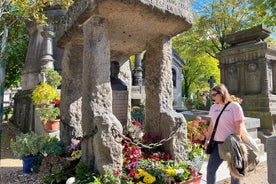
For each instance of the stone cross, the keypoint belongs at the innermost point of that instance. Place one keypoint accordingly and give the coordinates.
(211, 81)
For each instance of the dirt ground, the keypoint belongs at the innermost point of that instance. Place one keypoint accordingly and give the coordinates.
(259, 176)
(8, 160)
(11, 167)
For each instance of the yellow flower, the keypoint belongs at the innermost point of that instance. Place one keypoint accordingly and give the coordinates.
(76, 154)
(140, 182)
(149, 178)
(171, 171)
(138, 174)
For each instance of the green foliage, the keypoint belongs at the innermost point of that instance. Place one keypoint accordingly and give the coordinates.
(29, 144)
(15, 55)
(53, 78)
(265, 10)
(49, 113)
(35, 8)
(45, 94)
(54, 147)
(82, 170)
(220, 18)
(54, 169)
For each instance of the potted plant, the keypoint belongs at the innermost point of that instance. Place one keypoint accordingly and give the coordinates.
(28, 146)
(54, 169)
(53, 78)
(44, 94)
(46, 97)
(50, 117)
(189, 103)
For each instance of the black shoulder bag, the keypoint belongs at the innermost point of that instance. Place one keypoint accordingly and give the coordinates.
(211, 144)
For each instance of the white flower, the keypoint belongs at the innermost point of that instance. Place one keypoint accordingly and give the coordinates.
(179, 171)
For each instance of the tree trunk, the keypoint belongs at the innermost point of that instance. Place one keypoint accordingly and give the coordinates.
(2, 73)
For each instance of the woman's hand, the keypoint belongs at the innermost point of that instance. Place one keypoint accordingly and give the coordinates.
(206, 144)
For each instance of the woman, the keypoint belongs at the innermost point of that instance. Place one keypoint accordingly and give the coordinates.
(230, 122)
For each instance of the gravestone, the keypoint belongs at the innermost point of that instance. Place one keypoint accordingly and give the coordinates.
(92, 34)
(248, 69)
(119, 94)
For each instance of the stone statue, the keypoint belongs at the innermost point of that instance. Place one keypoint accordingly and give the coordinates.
(116, 83)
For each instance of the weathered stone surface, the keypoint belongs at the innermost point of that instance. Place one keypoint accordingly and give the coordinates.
(32, 65)
(248, 69)
(160, 118)
(71, 98)
(256, 33)
(95, 32)
(100, 150)
(133, 23)
(24, 111)
(271, 159)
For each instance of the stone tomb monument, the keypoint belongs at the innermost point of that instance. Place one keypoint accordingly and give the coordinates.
(93, 33)
(248, 68)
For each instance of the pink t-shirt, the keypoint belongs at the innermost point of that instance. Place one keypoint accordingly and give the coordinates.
(229, 116)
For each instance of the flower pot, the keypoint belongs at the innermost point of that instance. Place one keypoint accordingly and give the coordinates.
(52, 125)
(194, 180)
(28, 163)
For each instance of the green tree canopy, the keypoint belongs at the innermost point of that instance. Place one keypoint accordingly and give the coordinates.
(218, 18)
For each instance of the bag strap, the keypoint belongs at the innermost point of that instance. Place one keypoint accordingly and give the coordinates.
(217, 121)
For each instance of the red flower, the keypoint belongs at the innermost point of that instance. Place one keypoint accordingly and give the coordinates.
(131, 173)
(57, 102)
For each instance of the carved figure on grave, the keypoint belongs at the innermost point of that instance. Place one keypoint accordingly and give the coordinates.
(232, 82)
(253, 77)
(116, 83)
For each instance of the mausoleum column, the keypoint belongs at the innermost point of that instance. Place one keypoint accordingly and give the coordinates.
(48, 34)
(273, 77)
(242, 77)
(71, 98)
(138, 75)
(160, 118)
(100, 150)
(264, 64)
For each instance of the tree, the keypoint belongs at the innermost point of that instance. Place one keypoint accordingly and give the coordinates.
(266, 9)
(219, 18)
(13, 14)
(198, 66)
(16, 53)
(213, 20)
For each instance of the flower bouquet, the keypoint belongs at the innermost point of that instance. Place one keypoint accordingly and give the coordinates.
(197, 130)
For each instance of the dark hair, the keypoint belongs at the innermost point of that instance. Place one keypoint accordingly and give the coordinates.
(221, 89)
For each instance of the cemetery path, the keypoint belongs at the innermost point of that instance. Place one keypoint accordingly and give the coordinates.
(259, 176)
(11, 167)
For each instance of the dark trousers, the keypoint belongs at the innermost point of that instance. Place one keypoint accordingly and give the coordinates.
(213, 164)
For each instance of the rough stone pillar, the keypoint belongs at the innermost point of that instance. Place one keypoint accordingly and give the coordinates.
(271, 159)
(100, 150)
(160, 118)
(70, 128)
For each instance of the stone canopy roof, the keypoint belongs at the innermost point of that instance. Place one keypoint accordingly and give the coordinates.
(131, 23)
